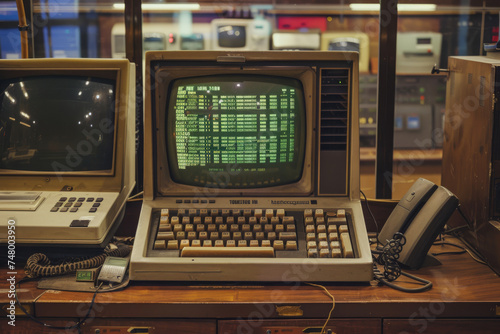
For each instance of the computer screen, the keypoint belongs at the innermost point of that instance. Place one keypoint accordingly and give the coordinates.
(67, 148)
(236, 131)
(57, 123)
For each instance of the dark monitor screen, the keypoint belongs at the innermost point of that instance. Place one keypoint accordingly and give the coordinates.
(231, 36)
(53, 123)
(236, 131)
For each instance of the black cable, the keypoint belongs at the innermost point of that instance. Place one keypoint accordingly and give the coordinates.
(459, 208)
(76, 325)
(39, 264)
(372, 215)
(388, 258)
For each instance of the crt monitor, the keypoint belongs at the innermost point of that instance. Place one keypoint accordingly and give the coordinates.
(247, 130)
(66, 148)
(241, 34)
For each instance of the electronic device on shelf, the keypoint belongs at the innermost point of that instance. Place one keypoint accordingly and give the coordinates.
(348, 41)
(296, 40)
(417, 52)
(164, 36)
(67, 149)
(251, 169)
(241, 34)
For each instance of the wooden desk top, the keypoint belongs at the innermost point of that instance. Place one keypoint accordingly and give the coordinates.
(462, 288)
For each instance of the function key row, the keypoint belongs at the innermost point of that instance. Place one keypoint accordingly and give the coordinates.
(268, 213)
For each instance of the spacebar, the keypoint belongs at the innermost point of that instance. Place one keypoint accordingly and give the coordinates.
(227, 252)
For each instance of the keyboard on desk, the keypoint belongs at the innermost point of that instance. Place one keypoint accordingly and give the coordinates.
(210, 242)
(252, 233)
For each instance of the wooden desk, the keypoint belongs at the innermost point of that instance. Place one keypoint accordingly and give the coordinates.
(465, 299)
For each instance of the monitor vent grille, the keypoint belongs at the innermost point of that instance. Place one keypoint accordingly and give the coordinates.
(334, 109)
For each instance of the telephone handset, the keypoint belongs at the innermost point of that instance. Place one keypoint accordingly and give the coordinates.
(420, 215)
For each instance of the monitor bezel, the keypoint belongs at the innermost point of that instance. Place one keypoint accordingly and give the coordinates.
(165, 186)
(111, 180)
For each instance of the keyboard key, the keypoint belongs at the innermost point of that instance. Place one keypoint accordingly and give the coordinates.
(323, 245)
(291, 245)
(318, 213)
(346, 245)
(324, 253)
(228, 252)
(165, 236)
(207, 243)
(54, 209)
(160, 244)
(173, 244)
(343, 229)
(288, 236)
(257, 213)
(254, 243)
(269, 213)
(313, 253)
(333, 236)
(242, 243)
(341, 213)
(219, 243)
(311, 245)
(230, 243)
(278, 245)
(336, 253)
(280, 213)
(309, 220)
(184, 243)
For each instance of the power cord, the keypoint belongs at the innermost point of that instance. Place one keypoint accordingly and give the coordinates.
(388, 257)
(373, 217)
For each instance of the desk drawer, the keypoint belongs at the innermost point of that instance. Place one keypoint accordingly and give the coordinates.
(439, 326)
(290, 326)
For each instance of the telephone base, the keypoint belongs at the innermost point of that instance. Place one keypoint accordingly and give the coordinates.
(429, 261)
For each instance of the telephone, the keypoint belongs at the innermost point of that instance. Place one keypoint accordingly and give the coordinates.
(420, 215)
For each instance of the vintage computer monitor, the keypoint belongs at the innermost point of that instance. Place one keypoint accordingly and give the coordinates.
(245, 152)
(348, 41)
(164, 36)
(67, 149)
(417, 52)
(471, 151)
(241, 34)
(296, 40)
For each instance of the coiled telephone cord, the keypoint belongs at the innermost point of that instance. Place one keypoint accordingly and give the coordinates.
(38, 265)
